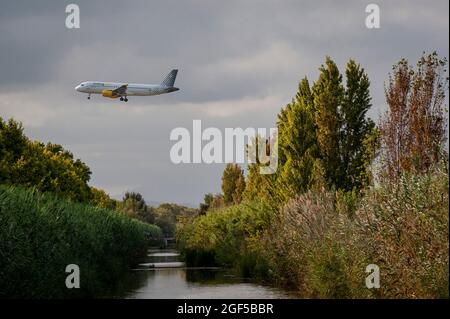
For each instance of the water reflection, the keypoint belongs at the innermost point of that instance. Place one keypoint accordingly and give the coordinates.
(161, 275)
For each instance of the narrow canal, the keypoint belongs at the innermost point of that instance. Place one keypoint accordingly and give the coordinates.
(163, 275)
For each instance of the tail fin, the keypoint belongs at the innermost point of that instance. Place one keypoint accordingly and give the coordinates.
(169, 81)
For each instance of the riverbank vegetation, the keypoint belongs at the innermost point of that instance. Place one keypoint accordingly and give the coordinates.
(40, 234)
(50, 217)
(347, 192)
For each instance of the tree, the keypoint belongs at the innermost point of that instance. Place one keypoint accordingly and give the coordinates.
(428, 123)
(217, 202)
(48, 167)
(261, 186)
(166, 217)
(297, 144)
(328, 97)
(239, 190)
(413, 128)
(355, 127)
(134, 205)
(232, 183)
(51, 168)
(323, 137)
(12, 145)
(101, 199)
(206, 203)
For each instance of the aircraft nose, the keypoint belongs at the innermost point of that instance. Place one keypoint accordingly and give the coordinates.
(77, 88)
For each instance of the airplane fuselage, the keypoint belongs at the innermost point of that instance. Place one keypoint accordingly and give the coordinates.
(133, 89)
(123, 90)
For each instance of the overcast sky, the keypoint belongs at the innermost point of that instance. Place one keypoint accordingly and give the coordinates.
(239, 62)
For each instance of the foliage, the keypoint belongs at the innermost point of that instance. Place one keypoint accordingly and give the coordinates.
(211, 201)
(260, 186)
(321, 242)
(223, 236)
(328, 97)
(298, 149)
(413, 128)
(101, 199)
(134, 206)
(166, 216)
(208, 198)
(356, 128)
(40, 234)
(233, 184)
(325, 138)
(48, 167)
(404, 228)
(323, 217)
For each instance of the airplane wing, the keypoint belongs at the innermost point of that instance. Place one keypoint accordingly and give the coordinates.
(121, 90)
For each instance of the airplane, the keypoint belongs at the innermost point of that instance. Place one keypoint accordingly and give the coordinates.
(123, 90)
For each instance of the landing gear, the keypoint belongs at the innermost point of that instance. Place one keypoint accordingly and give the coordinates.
(89, 97)
(124, 99)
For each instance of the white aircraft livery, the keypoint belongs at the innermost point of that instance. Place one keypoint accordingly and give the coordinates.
(122, 90)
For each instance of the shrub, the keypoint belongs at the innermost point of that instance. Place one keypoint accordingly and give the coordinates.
(225, 236)
(321, 242)
(404, 227)
(323, 250)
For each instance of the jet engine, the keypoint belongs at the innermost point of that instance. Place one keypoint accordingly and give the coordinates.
(109, 93)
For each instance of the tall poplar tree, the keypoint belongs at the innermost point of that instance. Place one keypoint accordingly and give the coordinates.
(355, 126)
(328, 97)
(297, 143)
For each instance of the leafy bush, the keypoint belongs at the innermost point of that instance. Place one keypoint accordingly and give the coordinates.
(225, 236)
(40, 234)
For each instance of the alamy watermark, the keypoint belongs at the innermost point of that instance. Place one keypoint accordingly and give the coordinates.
(373, 279)
(236, 145)
(73, 16)
(73, 279)
(373, 17)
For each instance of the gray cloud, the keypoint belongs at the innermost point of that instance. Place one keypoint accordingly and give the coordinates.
(239, 61)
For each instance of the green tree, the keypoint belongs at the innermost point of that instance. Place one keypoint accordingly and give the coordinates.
(51, 168)
(166, 216)
(48, 167)
(260, 186)
(134, 205)
(101, 199)
(239, 190)
(232, 183)
(355, 127)
(323, 135)
(12, 145)
(328, 98)
(297, 144)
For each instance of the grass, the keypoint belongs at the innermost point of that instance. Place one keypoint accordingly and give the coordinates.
(40, 234)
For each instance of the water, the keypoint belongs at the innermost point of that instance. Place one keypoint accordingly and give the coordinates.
(162, 275)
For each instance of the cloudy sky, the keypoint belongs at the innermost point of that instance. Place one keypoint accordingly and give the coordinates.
(239, 61)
